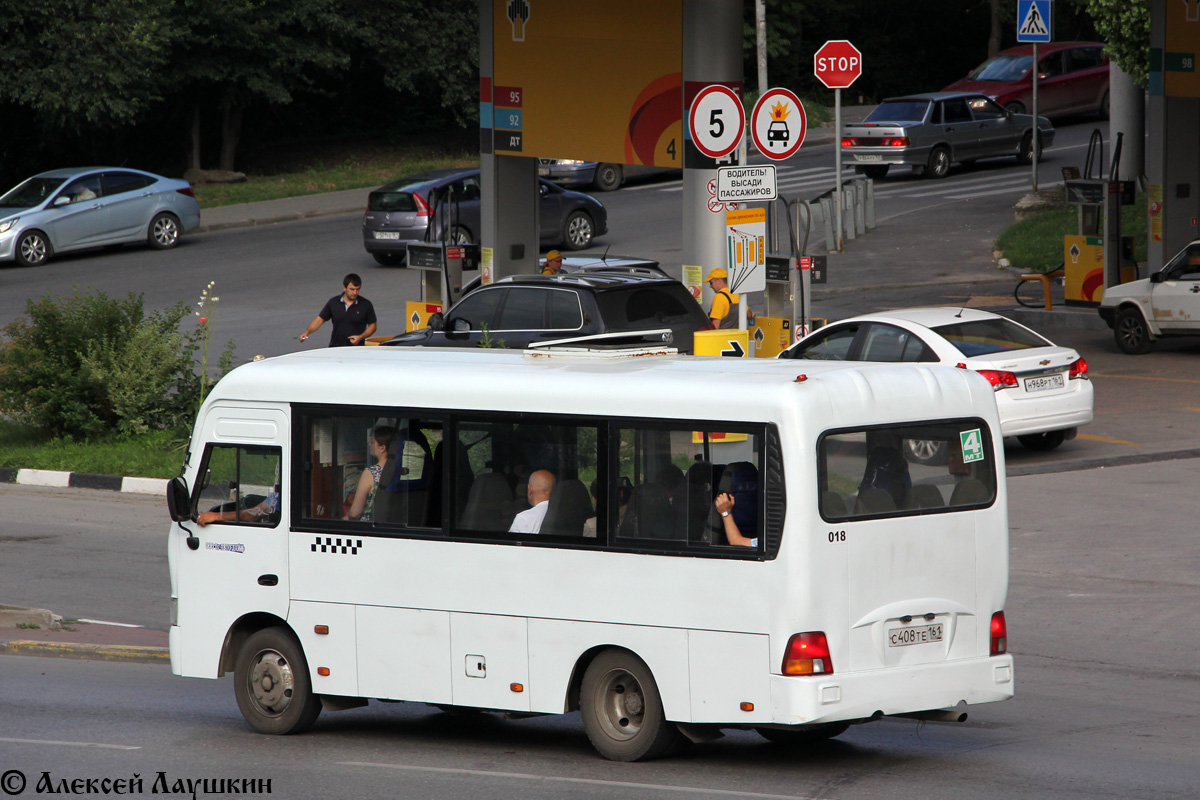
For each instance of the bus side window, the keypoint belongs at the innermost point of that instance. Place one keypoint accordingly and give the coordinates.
(243, 479)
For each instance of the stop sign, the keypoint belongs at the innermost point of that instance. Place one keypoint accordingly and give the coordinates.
(837, 64)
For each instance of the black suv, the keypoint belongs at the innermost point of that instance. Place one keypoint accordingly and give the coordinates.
(521, 310)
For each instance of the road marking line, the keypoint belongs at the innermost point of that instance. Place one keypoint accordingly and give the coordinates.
(71, 744)
(1093, 438)
(1107, 376)
(693, 790)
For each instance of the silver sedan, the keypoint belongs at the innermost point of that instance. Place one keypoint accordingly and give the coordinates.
(931, 131)
(73, 209)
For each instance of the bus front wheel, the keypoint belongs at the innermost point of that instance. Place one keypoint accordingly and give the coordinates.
(272, 684)
(622, 710)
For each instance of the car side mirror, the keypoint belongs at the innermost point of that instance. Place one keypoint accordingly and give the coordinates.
(61, 200)
(462, 326)
(1156, 277)
(436, 321)
(178, 500)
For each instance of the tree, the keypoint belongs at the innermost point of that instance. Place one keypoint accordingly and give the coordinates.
(84, 65)
(1125, 27)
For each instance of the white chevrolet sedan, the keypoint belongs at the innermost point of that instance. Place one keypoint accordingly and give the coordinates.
(1043, 392)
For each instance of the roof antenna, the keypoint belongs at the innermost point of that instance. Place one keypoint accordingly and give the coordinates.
(964, 308)
(604, 257)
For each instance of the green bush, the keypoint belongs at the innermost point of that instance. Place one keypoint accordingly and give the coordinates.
(87, 366)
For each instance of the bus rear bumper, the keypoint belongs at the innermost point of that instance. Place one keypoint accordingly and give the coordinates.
(902, 690)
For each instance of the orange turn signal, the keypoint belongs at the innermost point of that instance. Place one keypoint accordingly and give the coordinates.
(323, 670)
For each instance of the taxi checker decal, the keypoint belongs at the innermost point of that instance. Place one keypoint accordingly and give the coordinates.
(329, 544)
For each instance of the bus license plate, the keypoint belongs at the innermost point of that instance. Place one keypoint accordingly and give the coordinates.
(921, 634)
(387, 234)
(1043, 383)
(868, 158)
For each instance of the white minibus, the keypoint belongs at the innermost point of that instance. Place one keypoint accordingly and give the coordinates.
(707, 543)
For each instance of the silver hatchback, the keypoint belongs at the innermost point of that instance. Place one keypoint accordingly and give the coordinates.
(73, 209)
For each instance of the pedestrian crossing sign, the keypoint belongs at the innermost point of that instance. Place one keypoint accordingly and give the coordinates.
(1033, 20)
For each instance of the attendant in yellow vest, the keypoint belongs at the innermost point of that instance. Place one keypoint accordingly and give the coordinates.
(725, 306)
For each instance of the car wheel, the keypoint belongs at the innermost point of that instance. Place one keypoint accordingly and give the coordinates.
(1104, 106)
(1025, 154)
(1041, 442)
(272, 684)
(607, 178)
(389, 259)
(164, 231)
(622, 710)
(926, 451)
(33, 249)
(1131, 333)
(460, 235)
(803, 734)
(875, 171)
(938, 165)
(579, 231)
(1015, 108)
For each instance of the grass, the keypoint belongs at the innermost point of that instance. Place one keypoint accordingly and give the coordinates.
(291, 173)
(1036, 243)
(154, 455)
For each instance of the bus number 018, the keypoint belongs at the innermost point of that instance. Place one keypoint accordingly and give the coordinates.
(837, 536)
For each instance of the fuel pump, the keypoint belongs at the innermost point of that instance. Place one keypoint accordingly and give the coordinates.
(1098, 256)
(446, 266)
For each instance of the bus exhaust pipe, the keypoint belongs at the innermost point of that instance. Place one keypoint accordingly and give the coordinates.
(939, 715)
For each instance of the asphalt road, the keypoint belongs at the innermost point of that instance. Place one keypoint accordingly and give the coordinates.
(1100, 613)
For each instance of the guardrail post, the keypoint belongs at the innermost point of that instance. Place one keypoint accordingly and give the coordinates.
(860, 206)
(848, 213)
(827, 221)
(870, 204)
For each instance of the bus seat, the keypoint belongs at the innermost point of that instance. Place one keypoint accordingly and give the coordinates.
(411, 479)
(387, 504)
(489, 506)
(887, 470)
(699, 501)
(968, 492)
(924, 495)
(649, 514)
(873, 500)
(463, 479)
(832, 504)
(570, 506)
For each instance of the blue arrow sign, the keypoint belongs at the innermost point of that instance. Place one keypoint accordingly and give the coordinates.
(1033, 20)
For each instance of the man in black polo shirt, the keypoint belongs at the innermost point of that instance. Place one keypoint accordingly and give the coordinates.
(353, 316)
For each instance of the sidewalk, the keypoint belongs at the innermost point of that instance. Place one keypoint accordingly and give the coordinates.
(39, 632)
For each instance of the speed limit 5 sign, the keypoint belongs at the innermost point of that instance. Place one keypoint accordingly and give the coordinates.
(717, 121)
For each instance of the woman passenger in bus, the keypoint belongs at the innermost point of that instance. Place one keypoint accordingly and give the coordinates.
(368, 483)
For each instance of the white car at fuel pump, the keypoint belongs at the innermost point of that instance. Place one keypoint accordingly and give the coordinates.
(1165, 304)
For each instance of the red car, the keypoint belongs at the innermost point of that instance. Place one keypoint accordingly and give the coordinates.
(1072, 79)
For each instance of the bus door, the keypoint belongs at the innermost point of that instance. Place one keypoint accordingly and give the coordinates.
(240, 563)
(908, 504)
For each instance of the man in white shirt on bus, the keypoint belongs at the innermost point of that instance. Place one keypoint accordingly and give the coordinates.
(537, 491)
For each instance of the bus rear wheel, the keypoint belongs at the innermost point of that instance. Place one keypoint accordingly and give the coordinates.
(622, 710)
(272, 684)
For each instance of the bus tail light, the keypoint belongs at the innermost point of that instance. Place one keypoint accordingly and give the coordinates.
(807, 654)
(1079, 369)
(999, 634)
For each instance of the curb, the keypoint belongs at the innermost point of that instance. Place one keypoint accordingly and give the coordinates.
(87, 652)
(294, 217)
(82, 480)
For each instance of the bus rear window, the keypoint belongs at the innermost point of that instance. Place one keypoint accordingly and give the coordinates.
(906, 469)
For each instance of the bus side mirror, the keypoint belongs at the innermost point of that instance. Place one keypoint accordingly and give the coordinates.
(178, 500)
